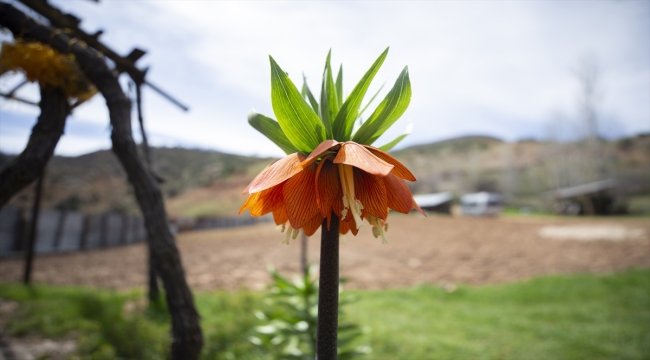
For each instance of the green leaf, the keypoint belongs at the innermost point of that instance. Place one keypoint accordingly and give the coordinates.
(298, 121)
(306, 93)
(344, 122)
(371, 100)
(339, 85)
(392, 144)
(329, 105)
(388, 111)
(271, 129)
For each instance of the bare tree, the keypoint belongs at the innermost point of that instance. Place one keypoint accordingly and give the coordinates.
(187, 338)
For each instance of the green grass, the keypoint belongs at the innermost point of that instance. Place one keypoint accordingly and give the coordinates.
(516, 211)
(554, 317)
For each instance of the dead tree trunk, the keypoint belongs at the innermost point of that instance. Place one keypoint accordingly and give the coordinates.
(187, 338)
(154, 292)
(29, 165)
(33, 232)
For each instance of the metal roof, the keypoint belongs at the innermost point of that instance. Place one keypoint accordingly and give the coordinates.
(482, 196)
(584, 189)
(427, 200)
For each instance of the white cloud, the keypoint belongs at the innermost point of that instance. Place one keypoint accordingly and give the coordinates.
(494, 67)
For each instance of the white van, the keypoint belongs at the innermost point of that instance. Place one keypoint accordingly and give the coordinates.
(481, 204)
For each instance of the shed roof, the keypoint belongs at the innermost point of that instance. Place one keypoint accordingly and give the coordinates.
(584, 189)
(435, 199)
(481, 197)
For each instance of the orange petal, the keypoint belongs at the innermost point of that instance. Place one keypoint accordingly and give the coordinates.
(417, 207)
(250, 200)
(346, 226)
(398, 194)
(276, 173)
(312, 225)
(370, 190)
(263, 202)
(358, 156)
(318, 151)
(280, 215)
(328, 186)
(300, 197)
(337, 207)
(399, 168)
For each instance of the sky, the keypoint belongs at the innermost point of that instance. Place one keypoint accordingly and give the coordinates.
(500, 68)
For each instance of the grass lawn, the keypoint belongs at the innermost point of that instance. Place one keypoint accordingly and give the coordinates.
(553, 317)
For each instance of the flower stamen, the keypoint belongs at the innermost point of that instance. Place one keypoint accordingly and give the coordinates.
(379, 228)
(290, 233)
(350, 203)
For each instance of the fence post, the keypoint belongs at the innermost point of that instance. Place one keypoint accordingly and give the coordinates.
(103, 231)
(59, 229)
(124, 229)
(83, 242)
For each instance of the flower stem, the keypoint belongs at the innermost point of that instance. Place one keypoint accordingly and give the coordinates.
(328, 293)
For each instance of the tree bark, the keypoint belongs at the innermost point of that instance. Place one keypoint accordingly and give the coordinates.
(29, 165)
(33, 232)
(186, 332)
(154, 292)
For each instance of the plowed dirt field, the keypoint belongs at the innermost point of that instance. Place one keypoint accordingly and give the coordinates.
(435, 250)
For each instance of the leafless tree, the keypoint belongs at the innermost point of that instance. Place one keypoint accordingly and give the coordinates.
(187, 338)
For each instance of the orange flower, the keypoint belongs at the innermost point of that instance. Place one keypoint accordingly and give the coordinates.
(355, 182)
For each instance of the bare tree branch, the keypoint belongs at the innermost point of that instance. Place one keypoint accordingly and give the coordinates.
(187, 337)
(28, 166)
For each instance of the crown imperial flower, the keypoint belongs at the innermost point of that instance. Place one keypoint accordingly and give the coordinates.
(329, 170)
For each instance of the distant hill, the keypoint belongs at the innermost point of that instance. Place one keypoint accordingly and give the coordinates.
(200, 182)
(454, 145)
(96, 182)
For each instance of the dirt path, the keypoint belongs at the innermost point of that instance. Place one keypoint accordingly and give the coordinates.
(436, 250)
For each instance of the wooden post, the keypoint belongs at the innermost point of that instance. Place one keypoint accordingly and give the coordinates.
(124, 229)
(103, 231)
(59, 229)
(303, 253)
(33, 233)
(84, 233)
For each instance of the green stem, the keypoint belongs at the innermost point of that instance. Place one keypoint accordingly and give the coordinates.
(328, 293)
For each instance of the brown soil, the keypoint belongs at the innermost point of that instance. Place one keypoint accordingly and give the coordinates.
(436, 250)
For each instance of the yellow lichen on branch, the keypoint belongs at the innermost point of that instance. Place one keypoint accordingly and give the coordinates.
(39, 62)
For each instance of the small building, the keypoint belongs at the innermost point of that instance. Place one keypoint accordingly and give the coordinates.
(437, 202)
(481, 204)
(595, 198)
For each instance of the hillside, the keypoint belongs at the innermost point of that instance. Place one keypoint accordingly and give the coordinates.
(199, 182)
(453, 145)
(96, 182)
(525, 169)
